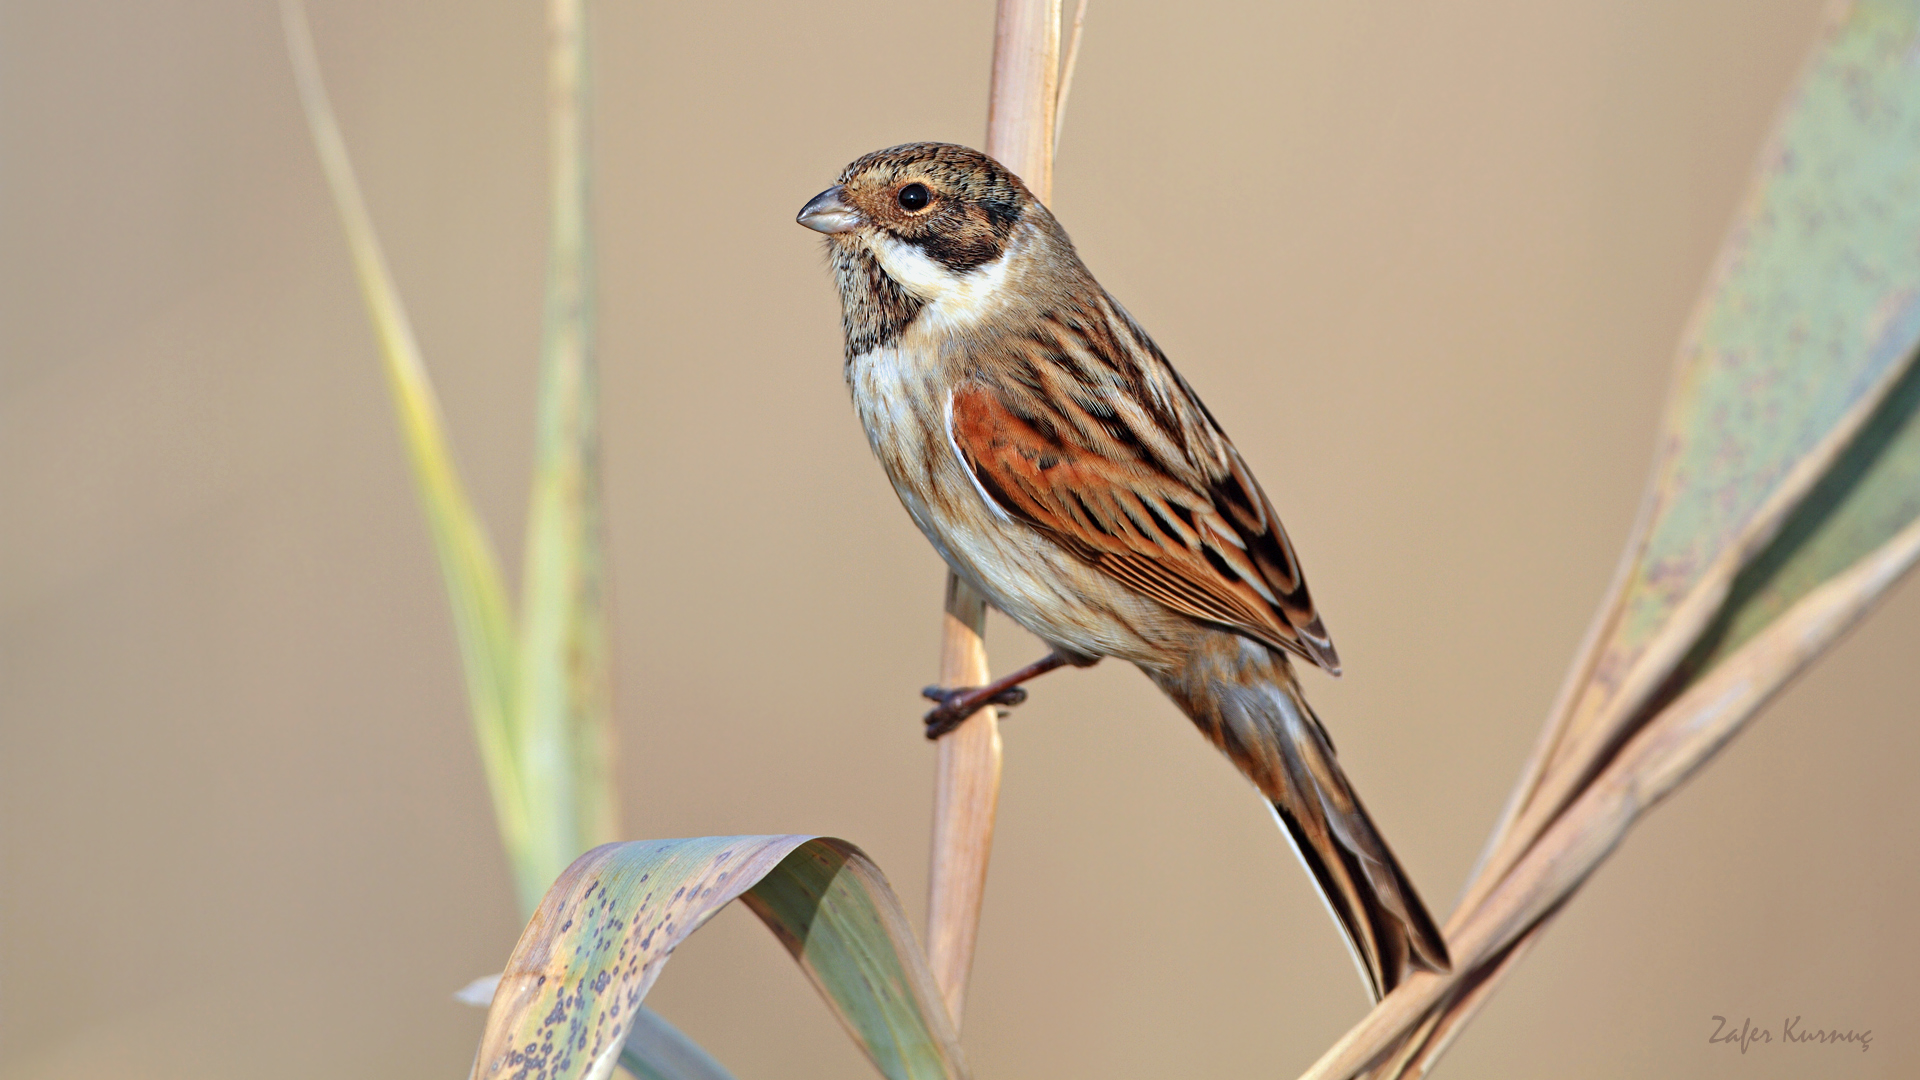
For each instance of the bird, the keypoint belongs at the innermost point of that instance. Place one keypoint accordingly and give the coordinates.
(1054, 458)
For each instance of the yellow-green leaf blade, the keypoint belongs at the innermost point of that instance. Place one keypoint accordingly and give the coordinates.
(471, 572)
(605, 929)
(834, 911)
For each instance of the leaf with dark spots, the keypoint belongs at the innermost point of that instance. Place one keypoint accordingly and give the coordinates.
(822, 898)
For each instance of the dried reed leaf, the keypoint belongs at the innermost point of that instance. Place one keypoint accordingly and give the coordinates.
(1842, 547)
(1783, 505)
(1655, 762)
(605, 929)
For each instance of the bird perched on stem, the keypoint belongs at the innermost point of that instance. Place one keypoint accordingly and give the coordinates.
(1061, 466)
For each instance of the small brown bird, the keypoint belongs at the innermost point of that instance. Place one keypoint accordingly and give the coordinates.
(1061, 466)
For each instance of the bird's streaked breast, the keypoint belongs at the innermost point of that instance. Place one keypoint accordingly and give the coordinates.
(902, 394)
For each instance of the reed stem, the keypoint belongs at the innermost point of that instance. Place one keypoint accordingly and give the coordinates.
(1020, 125)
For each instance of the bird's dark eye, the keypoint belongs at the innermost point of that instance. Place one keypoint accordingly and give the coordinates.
(915, 197)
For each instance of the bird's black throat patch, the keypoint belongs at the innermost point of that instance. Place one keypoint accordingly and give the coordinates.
(874, 309)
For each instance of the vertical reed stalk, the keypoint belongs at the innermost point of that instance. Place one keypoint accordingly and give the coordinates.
(564, 700)
(1020, 125)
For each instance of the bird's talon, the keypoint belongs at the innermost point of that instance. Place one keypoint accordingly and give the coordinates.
(956, 705)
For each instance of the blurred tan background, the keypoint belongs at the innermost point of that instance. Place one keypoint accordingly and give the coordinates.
(1426, 262)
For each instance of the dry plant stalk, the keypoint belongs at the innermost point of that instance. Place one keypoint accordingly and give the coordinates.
(1021, 114)
(1066, 72)
(965, 794)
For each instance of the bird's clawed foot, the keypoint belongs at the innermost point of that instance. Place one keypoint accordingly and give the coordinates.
(957, 705)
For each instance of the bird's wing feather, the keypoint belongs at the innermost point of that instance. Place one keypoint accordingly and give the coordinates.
(1198, 534)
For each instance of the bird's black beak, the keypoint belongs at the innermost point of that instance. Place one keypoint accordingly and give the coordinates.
(826, 213)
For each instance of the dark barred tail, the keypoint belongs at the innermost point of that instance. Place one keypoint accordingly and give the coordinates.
(1242, 695)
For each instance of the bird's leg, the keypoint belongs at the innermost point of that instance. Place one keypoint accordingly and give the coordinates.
(957, 705)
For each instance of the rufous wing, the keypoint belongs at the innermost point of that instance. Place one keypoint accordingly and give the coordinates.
(1218, 555)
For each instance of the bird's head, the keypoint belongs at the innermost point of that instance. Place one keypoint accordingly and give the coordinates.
(936, 217)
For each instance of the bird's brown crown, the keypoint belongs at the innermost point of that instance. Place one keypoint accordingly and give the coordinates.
(956, 204)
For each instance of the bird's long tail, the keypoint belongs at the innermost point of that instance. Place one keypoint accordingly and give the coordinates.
(1243, 696)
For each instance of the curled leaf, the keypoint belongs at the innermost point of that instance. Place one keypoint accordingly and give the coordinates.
(568, 998)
